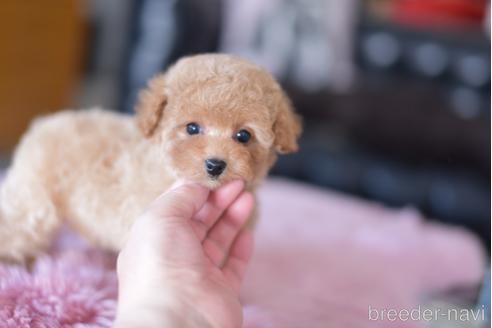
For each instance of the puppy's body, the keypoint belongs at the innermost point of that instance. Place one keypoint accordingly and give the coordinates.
(93, 168)
(98, 169)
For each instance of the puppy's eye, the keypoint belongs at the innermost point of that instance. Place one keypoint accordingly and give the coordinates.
(192, 128)
(242, 136)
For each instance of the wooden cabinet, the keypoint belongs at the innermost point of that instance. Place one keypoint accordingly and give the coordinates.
(41, 53)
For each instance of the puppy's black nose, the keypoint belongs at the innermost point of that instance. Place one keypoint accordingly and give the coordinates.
(215, 166)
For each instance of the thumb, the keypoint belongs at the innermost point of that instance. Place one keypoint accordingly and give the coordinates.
(181, 202)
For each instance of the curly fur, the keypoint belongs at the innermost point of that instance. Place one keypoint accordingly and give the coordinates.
(99, 169)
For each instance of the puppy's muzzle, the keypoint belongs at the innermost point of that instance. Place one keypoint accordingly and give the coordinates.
(215, 167)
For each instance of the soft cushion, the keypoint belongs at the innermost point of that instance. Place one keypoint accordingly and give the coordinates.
(321, 260)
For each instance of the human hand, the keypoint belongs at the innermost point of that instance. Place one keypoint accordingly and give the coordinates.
(185, 259)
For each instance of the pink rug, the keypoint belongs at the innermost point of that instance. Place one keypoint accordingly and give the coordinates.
(322, 259)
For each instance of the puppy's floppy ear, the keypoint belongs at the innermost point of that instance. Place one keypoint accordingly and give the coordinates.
(150, 105)
(287, 127)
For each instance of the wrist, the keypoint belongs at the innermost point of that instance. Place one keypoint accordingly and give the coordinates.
(162, 305)
(148, 316)
(178, 299)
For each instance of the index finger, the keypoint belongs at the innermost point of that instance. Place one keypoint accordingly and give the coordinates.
(217, 202)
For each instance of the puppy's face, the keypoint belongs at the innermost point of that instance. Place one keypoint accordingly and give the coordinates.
(212, 143)
(218, 118)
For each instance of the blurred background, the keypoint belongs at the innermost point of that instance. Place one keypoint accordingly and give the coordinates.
(395, 94)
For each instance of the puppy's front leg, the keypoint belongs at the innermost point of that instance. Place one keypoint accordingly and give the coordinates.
(28, 217)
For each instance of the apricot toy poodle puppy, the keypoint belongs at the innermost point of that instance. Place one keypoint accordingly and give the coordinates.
(210, 118)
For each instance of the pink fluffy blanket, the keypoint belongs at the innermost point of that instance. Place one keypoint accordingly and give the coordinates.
(321, 260)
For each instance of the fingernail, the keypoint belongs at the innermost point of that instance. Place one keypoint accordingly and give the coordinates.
(179, 183)
(238, 181)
